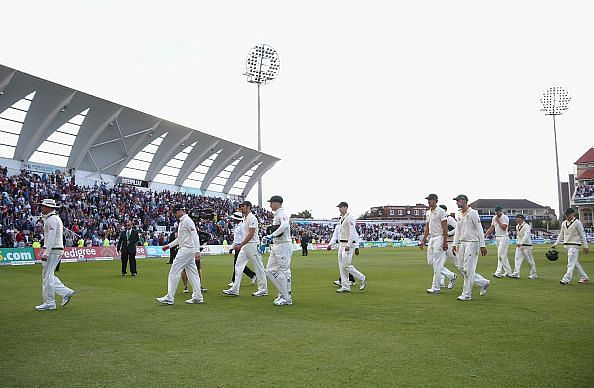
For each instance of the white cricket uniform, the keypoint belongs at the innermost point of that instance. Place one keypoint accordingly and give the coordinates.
(53, 248)
(451, 222)
(278, 268)
(347, 238)
(238, 234)
(502, 239)
(436, 256)
(250, 252)
(525, 251)
(573, 236)
(469, 237)
(189, 245)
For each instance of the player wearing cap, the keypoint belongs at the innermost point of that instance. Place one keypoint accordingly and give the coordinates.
(189, 251)
(436, 228)
(238, 236)
(53, 248)
(278, 268)
(523, 248)
(573, 236)
(248, 250)
(468, 240)
(499, 223)
(347, 234)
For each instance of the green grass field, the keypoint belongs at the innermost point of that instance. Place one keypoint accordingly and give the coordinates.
(113, 333)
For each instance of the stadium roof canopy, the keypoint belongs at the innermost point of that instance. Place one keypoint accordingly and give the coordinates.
(43, 122)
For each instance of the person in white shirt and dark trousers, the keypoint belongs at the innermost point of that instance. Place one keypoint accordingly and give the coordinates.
(53, 248)
(189, 251)
(523, 248)
(573, 237)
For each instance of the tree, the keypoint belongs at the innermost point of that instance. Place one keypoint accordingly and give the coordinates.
(302, 214)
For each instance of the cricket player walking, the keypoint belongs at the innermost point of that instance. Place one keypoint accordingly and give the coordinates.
(188, 253)
(436, 227)
(53, 248)
(573, 236)
(248, 250)
(523, 248)
(347, 241)
(278, 268)
(468, 240)
(500, 223)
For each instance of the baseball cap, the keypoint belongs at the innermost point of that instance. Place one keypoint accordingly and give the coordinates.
(569, 210)
(178, 206)
(276, 198)
(444, 207)
(461, 196)
(431, 196)
(520, 216)
(342, 204)
(246, 203)
(498, 208)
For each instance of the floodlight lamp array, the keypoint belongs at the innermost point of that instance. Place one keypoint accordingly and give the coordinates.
(555, 101)
(262, 64)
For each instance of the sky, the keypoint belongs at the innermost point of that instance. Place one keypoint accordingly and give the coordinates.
(376, 103)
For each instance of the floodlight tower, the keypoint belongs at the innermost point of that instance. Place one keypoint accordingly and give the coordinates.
(555, 102)
(262, 66)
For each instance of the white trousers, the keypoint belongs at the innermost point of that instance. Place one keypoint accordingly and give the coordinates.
(436, 258)
(467, 261)
(521, 254)
(573, 263)
(249, 252)
(50, 284)
(502, 259)
(184, 260)
(345, 267)
(278, 268)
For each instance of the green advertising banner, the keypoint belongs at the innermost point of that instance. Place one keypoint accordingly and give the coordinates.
(17, 256)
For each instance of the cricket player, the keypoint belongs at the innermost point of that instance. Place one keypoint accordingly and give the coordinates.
(248, 250)
(238, 236)
(334, 241)
(347, 234)
(523, 248)
(573, 236)
(278, 268)
(188, 253)
(499, 223)
(436, 227)
(468, 240)
(53, 248)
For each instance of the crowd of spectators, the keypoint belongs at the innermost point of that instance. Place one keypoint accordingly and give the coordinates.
(95, 214)
(584, 191)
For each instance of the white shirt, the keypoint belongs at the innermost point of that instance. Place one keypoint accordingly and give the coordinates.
(347, 231)
(469, 228)
(335, 237)
(499, 232)
(53, 230)
(250, 221)
(280, 218)
(523, 232)
(238, 234)
(451, 222)
(433, 218)
(187, 236)
(572, 233)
